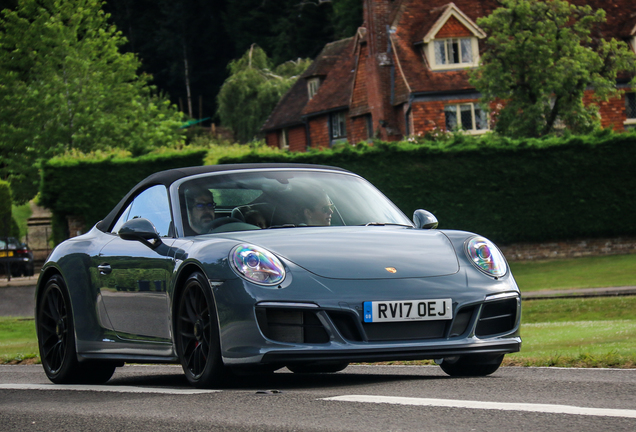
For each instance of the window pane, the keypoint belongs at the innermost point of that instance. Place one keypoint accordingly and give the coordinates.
(466, 112)
(630, 105)
(440, 52)
(451, 117)
(338, 125)
(467, 51)
(153, 205)
(481, 121)
(453, 51)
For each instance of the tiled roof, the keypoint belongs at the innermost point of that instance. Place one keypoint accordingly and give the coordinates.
(335, 90)
(288, 111)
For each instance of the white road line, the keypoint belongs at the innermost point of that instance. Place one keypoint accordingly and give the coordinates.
(105, 388)
(541, 408)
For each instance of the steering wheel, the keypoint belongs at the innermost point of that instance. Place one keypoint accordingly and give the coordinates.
(223, 221)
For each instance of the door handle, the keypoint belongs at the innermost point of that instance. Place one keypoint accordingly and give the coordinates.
(104, 269)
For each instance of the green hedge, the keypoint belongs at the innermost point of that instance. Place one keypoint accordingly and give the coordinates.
(90, 188)
(509, 191)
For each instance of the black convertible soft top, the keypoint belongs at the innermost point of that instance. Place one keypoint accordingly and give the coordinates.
(168, 177)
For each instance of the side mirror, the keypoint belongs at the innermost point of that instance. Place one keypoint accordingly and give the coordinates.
(141, 230)
(424, 219)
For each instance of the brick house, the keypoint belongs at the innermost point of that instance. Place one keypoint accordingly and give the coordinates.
(403, 73)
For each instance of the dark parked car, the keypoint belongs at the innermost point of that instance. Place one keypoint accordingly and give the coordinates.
(15, 256)
(257, 267)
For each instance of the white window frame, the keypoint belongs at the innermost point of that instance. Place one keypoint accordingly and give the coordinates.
(430, 48)
(283, 139)
(313, 84)
(338, 126)
(630, 121)
(632, 43)
(472, 130)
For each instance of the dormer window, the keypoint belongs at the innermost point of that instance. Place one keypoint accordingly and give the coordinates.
(454, 51)
(453, 41)
(312, 86)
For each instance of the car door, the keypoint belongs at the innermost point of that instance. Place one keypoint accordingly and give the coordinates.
(132, 278)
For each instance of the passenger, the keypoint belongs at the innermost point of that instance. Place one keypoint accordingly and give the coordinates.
(201, 205)
(316, 208)
(255, 217)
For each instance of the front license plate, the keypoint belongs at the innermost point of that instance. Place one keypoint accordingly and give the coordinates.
(4, 254)
(409, 310)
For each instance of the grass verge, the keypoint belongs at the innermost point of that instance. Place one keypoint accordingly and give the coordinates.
(579, 332)
(18, 342)
(586, 272)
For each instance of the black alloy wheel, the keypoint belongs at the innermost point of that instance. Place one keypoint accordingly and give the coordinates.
(56, 340)
(197, 334)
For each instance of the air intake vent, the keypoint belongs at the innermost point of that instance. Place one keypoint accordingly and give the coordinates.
(497, 317)
(291, 325)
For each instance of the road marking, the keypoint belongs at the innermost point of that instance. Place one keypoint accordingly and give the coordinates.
(106, 388)
(504, 406)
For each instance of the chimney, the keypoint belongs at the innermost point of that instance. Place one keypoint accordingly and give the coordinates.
(379, 65)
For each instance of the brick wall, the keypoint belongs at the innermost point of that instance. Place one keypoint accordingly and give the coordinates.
(430, 115)
(453, 28)
(271, 139)
(297, 139)
(569, 249)
(357, 129)
(319, 131)
(612, 111)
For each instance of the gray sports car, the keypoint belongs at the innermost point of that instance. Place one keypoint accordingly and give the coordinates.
(236, 268)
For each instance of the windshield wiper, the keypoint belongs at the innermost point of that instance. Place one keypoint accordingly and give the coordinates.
(387, 223)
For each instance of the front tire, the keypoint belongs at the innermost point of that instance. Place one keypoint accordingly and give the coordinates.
(197, 334)
(56, 340)
(475, 366)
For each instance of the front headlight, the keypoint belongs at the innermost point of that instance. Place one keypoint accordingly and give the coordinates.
(257, 265)
(486, 256)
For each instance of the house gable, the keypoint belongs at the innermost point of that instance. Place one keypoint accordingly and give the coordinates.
(452, 42)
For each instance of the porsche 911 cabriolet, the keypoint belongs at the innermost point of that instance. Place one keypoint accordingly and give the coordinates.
(255, 267)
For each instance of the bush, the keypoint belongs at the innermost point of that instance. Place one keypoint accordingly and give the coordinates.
(89, 186)
(8, 225)
(508, 190)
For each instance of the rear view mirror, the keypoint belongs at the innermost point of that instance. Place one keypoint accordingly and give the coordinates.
(424, 219)
(142, 230)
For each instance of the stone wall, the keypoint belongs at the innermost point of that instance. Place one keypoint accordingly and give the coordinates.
(569, 248)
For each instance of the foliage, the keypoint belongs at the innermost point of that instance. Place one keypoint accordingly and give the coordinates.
(21, 214)
(287, 29)
(508, 190)
(540, 58)
(251, 92)
(64, 85)
(70, 183)
(8, 225)
(168, 33)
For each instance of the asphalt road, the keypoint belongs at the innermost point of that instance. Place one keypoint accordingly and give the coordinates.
(361, 398)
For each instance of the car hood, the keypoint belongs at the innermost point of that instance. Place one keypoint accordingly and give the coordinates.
(360, 252)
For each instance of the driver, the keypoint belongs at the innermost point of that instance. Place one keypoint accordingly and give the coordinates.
(315, 207)
(201, 207)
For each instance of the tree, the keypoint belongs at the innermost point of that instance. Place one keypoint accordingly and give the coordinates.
(64, 85)
(540, 58)
(170, 34)
(286, 29)
(251, 92)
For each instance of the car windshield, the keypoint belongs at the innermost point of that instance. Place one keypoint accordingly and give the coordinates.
(283, 199)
